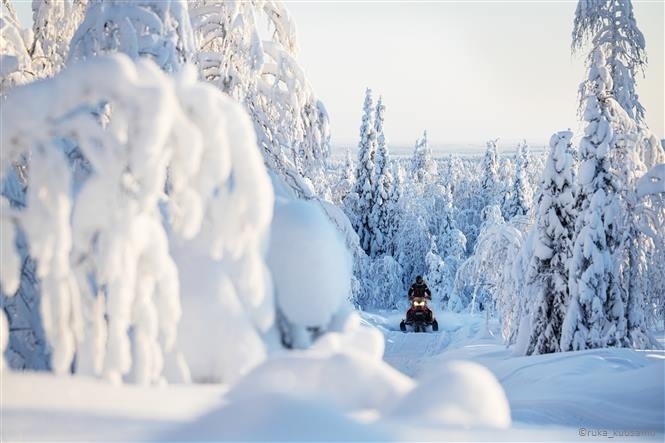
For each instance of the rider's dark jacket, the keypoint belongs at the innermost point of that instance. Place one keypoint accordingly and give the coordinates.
(419, 290)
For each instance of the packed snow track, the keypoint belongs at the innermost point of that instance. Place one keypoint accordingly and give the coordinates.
(409, 352)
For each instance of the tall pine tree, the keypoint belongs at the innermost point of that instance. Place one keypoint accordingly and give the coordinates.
(547, 279)
(384, 211)
(490, 174)
(363, 190)
(519, 199)
(596, 315)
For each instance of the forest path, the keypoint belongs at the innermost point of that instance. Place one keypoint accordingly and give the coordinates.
(411, 352)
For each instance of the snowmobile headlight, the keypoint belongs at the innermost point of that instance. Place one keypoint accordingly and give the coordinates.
(418, 303)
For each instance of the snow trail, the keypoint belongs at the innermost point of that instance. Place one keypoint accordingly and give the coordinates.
(410, 352)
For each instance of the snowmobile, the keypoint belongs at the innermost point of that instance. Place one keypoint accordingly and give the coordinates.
(419, 317)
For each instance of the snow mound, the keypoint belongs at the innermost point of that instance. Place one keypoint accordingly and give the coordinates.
(275, 417)
(356, 337)
(351, 381)
(309, 262)
(208, 296)
(461, 393)
(566, 388)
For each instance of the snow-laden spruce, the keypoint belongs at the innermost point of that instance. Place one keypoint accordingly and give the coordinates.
(291, 123)
(547, 272)
(596, 315)
(436, 275)
(490, 174)
(342, 186)
(488, 274)
(617, 149)
(106, 264)
(519, 197)
(158, 30)
(413, 237)
(612, 23)
(15, 60)
(384, 212)
(361, 200)
(423, 166)
(54, 25)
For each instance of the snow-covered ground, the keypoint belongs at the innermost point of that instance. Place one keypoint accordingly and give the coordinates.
(557, 396)
(459, 384)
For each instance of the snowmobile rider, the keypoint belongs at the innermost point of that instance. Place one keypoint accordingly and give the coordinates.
(419, 289)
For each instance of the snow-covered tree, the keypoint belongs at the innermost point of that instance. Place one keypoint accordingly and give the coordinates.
(385, 289)
(413, 238)
(490, 182)
(362, 195)
(612, 23)
(423, 166)
(547, 273)
(159, 30)
(649, 274)
(343, 182)
(519, 198)
(384, 212)
(54, 24)
(620, 154)
(15, 60)
(106, 266)
(485, 280)
(349, 171)
(291, 123)
(596, 314)
(395, 201)
(435, 275)
(229, 49)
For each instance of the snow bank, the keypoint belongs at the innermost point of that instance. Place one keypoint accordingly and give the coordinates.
(37, 406)
(216, 337)
(349, 381)
(310, 264)
(353, 337)
(275, 417)
(459, 394)
(342, 368)
(608, 388)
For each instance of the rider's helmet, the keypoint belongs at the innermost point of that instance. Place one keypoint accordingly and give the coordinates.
(419, 280)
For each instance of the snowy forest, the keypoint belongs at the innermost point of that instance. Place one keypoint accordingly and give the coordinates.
(173, 213)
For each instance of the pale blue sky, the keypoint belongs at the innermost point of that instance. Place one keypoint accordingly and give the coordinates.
(465, 71)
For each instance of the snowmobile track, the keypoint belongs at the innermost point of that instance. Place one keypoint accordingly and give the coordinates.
(410, 352)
